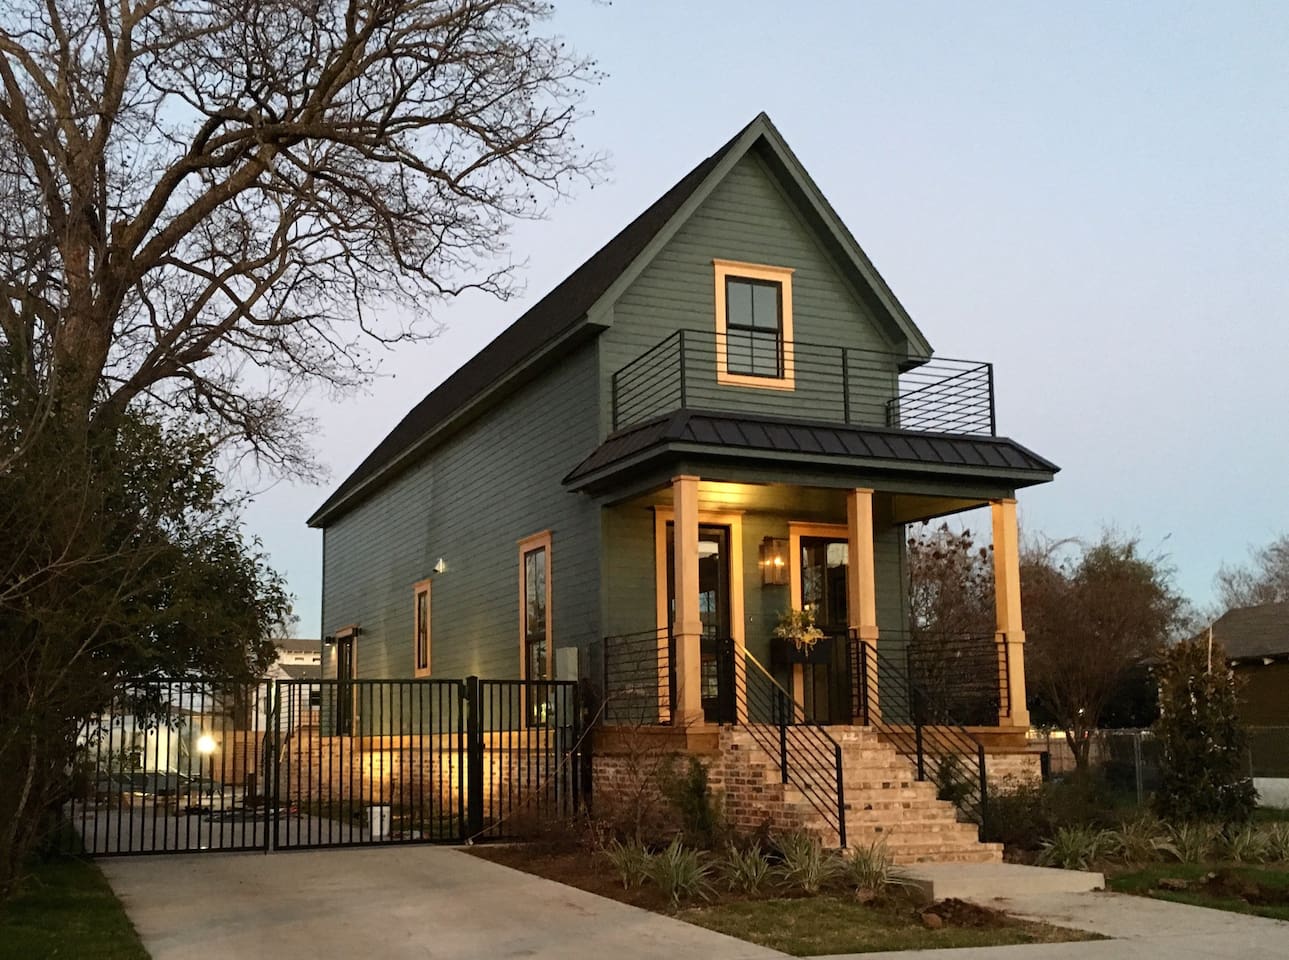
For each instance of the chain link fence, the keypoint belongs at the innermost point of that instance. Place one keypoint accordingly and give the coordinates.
(1130, 760)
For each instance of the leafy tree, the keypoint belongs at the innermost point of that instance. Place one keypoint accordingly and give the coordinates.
(128, 563)
(1203, 773)
(1264, 580)
(1092, 615)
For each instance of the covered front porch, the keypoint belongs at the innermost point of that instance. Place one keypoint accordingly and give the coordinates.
(699, 572)
(714, 525)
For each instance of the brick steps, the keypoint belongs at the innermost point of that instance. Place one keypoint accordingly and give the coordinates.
(884, 800)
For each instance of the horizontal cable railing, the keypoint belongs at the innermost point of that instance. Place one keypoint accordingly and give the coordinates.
(963, 676)
(807, 756)
(636, 679)
(700, 370)
(909, 718)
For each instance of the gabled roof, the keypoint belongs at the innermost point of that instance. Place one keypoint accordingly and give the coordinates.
(557, 315)
(825, 444)
(1250, 632)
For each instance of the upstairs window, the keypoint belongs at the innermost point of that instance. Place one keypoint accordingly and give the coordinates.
(754, 325)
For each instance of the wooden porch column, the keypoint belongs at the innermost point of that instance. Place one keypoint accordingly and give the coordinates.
(687, 627)
(861, 581)
(1010, 635)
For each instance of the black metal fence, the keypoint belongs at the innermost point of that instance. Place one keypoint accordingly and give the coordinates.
(830, 383)
(184, 766)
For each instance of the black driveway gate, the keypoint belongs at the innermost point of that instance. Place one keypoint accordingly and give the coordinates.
(186, 766)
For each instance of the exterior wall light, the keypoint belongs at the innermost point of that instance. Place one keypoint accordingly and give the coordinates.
(441, 566)
(774, 562)
(206, 744)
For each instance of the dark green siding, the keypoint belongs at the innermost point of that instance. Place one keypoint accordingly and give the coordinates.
(745, 218)
(469, 502)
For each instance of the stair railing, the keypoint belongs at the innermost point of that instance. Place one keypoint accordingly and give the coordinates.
(807, 756)
(898, 709)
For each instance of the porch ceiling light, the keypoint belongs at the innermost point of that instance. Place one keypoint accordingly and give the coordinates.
(774, 562)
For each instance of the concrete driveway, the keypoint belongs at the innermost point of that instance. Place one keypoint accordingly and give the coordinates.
(388, 903)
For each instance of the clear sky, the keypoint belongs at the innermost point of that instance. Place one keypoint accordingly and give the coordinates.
(1094, 196)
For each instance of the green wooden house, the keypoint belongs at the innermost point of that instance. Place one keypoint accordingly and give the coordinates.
(724, 414)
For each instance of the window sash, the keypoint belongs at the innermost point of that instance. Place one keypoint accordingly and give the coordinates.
(536, 563)
(423, 629)
(753, 331)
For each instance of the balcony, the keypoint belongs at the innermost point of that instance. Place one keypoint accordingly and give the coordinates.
(830, 384)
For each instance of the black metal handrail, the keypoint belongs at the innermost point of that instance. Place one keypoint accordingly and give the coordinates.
(808, 757)
(908, 717)
(846, 385)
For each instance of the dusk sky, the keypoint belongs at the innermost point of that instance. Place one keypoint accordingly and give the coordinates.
(1093, 196)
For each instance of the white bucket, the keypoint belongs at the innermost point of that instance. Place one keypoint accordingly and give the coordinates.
(378, 821)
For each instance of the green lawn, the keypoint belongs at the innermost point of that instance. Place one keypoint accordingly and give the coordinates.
(1273, 879)
(828, 925)
(65, 909)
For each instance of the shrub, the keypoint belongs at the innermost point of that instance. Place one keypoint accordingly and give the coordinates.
(691, 796)
(1024, 815)
(1276, 839)
(806, 865)
(680, 873)
(1192, 842)
(1244, 844)
(746, 870)
(630, 860)
(1202, 773)
(1137, 841)
(952, 782)
(1075, 848)
(869, 870)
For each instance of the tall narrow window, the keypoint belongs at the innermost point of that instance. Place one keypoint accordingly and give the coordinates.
(421, 629)
(535, 608)
(754, 325)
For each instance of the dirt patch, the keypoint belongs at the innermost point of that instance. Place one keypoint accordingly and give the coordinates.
(1226, 883)
(960, 913)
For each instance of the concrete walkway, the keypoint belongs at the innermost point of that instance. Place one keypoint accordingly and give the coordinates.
(391, 903)
(1143, 929)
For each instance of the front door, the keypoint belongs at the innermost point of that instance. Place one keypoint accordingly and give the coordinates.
(822, 566)
(717, 645)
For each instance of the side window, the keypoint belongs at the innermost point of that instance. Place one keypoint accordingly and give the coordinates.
(534, 605)
(754, 325)
(421, 629)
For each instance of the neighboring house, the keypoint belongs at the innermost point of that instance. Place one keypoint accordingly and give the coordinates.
(1256, 641)
(724, 413)
(297, 660)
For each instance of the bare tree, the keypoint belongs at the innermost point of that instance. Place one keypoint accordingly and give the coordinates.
(1092, 615)
(1264, 580)
(207, 204)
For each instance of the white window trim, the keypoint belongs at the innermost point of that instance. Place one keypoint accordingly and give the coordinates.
(725, 269)
(527, 545)
(418, 588)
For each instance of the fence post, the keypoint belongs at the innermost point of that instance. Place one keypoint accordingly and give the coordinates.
(474, 758)
(272, 791)
(1136, 766)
